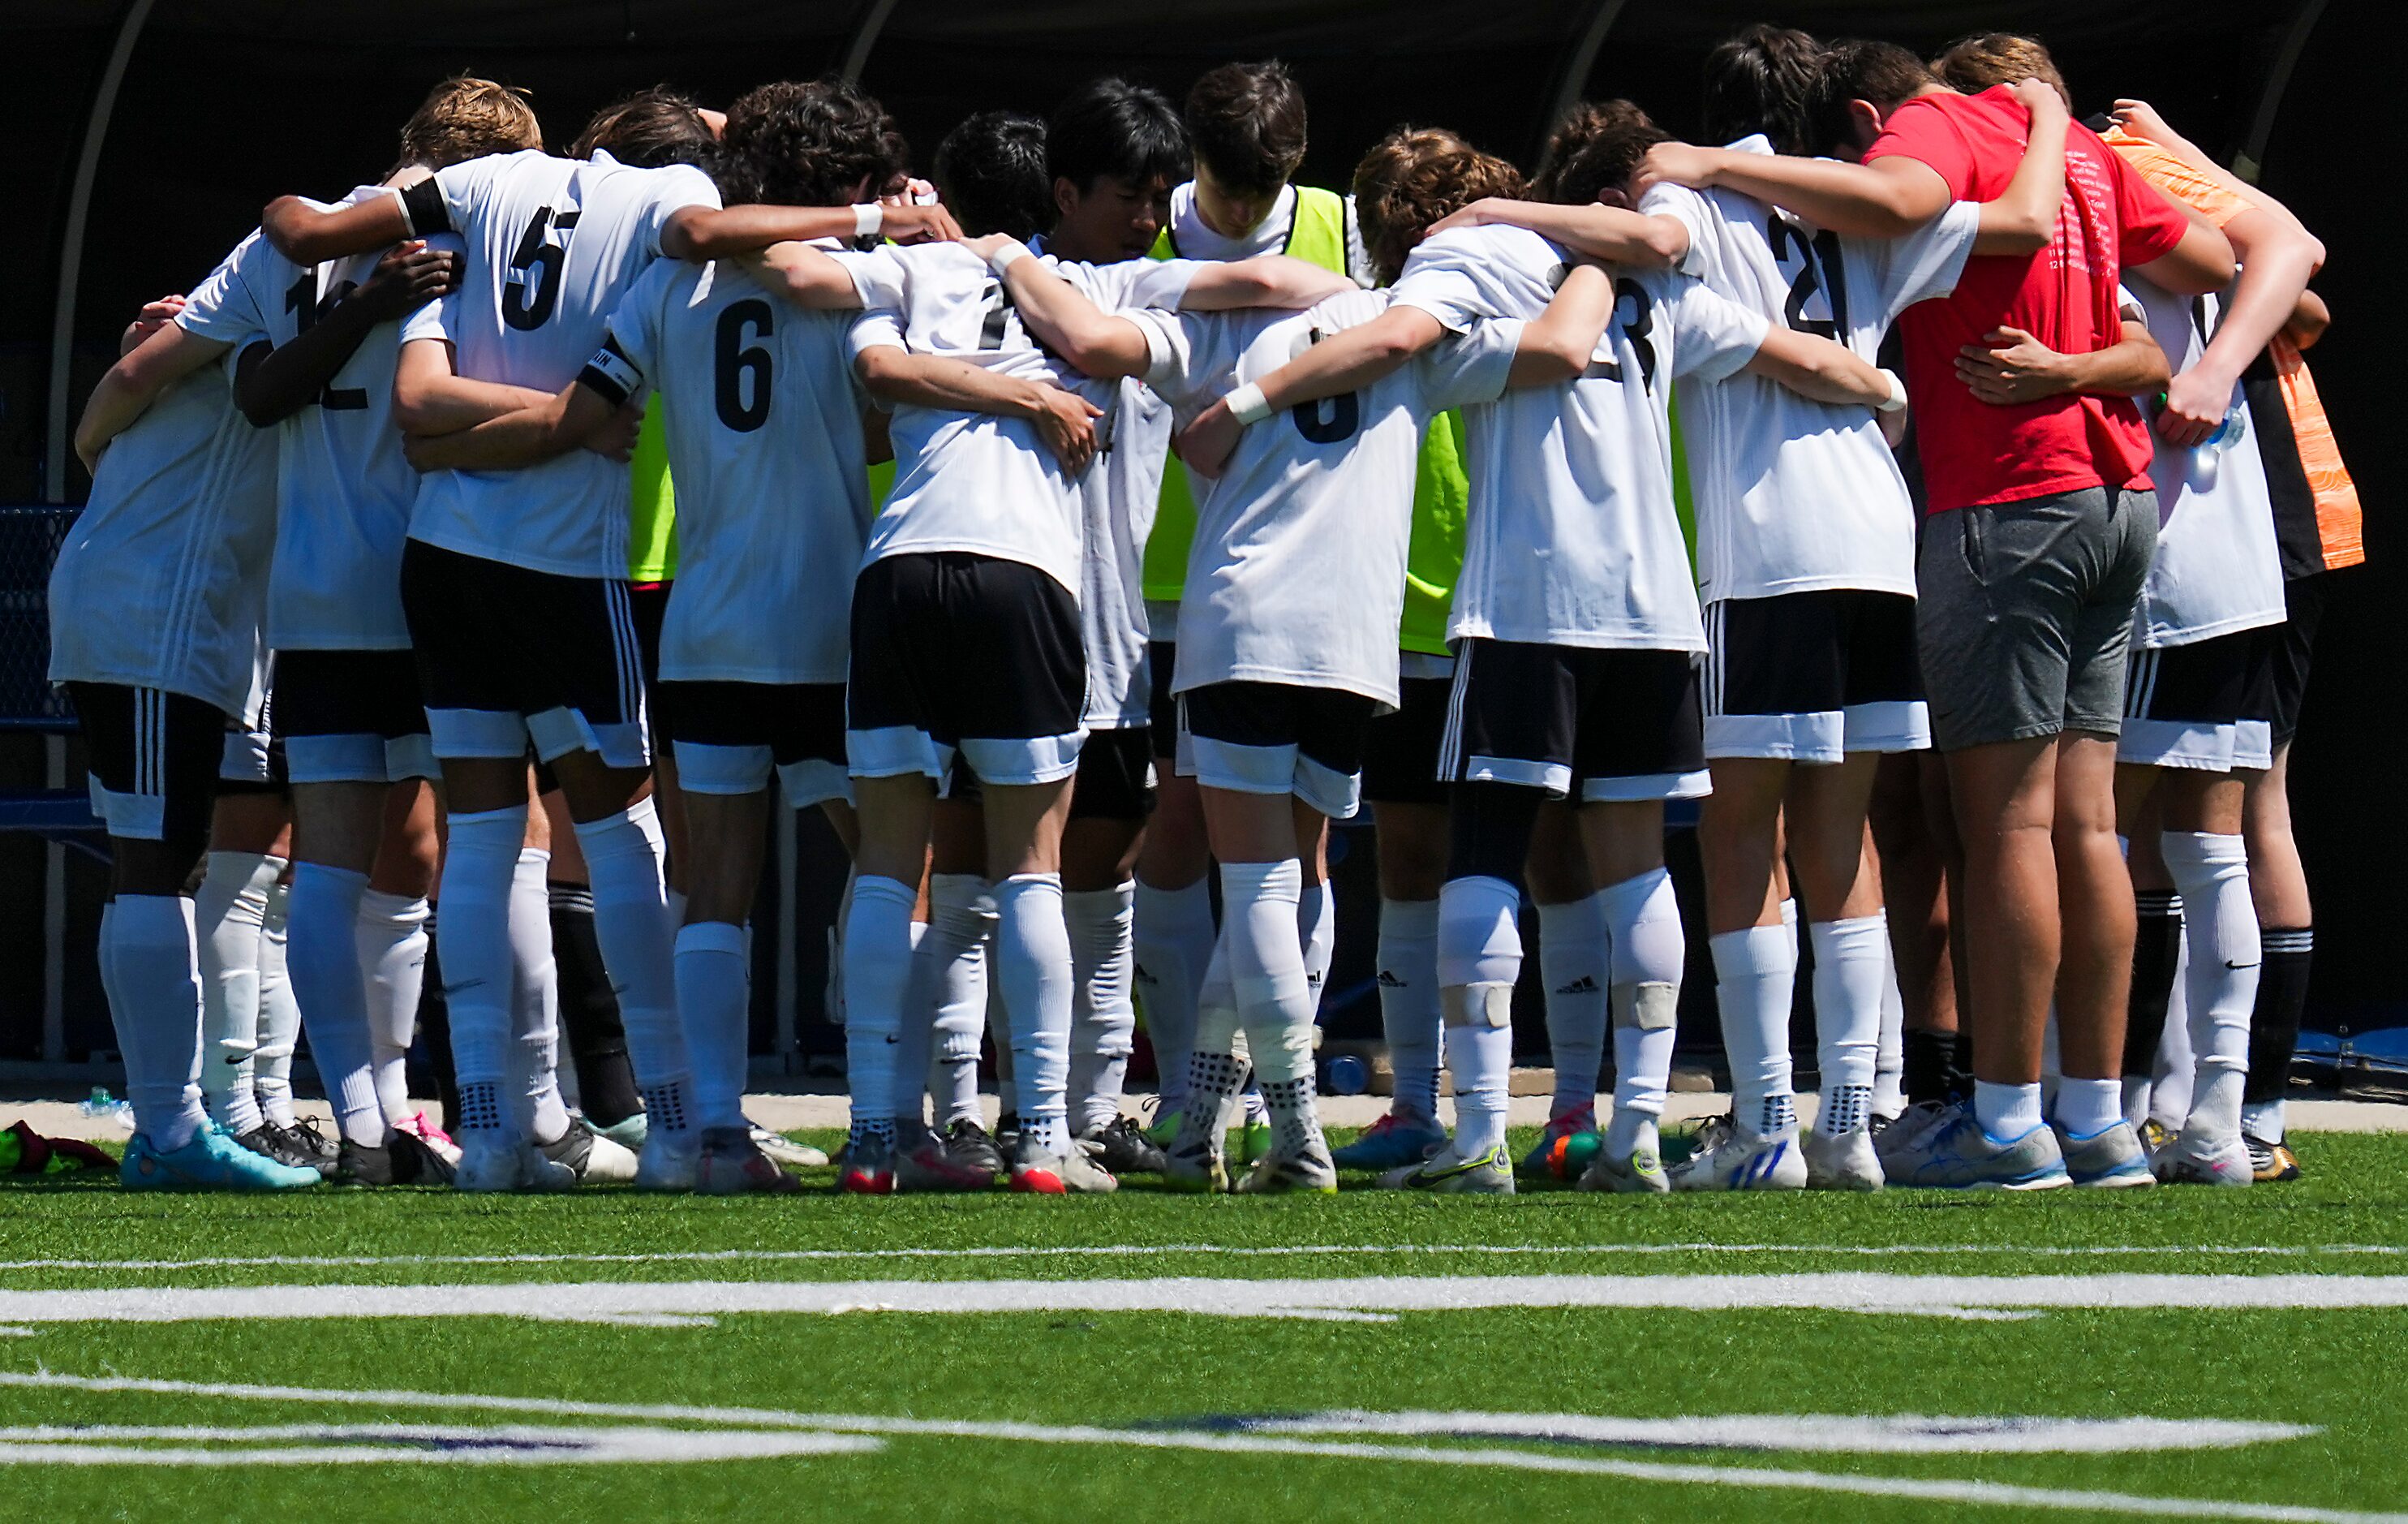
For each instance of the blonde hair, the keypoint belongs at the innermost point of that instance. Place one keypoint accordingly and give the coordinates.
(1974, 63)
(467, 118)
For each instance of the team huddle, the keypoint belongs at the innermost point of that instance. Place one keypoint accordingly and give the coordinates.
(1085, 526)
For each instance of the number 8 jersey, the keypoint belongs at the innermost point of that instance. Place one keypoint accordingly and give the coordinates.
(554, 245)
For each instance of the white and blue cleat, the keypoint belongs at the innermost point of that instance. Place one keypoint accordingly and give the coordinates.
(1728, 1156)
(1392, 1143)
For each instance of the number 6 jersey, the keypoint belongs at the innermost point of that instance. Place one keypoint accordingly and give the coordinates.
(554, 245)
(763, 424)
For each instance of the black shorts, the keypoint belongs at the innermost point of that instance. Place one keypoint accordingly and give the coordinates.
(1162, 705)
(253, 761)
(152, 757)
(2184, 706)
(1594, 725)
(506, 655)
(1809, 677)
(1271, 738)
(351, 717)
(2288, 652)
(975, 653)
(649, 602)
(1116, 775)
(729, 737)
(1400, 750)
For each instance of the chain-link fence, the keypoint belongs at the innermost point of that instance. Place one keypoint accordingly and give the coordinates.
(29, 543)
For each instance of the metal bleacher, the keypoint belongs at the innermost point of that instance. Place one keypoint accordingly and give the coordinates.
(30, 536)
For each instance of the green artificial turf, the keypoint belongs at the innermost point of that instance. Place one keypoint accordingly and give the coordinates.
(2343, 1372)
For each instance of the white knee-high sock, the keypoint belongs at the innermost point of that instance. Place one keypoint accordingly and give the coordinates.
(322, 949)
(622, 861)
(1851, 969)
(1645, 921)
(147, 949)
(1273, 994)
(1032, 968)
(228, 912)
(952, 956)
(1316, 931)
(878, 980)
(392, 945)
(1408, 958)
(1479, 960)
(280, 1014)
(1572, 963)
(535, 1107)
(1173, 939)
(1103, 1016)
(915, 1036)
(1756, 970)
(2171, 1090)
(480, 857)
(998, 1030)
(1889, 1064)
(2220, 925)
(714, 990)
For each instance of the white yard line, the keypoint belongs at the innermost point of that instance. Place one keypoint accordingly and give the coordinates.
(684, 1304)
(1243, 1251)
(1997, 1494)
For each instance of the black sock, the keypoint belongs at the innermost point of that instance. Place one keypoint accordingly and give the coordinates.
(2274, 1023)
(434, 1025)
(1960, 1070)
(2155, 949)
(589, 1011)
(1931, 1068)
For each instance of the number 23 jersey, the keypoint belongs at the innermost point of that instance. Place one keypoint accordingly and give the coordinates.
(1570, 536)
(554, 245)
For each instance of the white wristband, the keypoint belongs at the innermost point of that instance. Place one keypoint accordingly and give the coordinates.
(1246, 404)
(868, 218)
(1896, 402)
(1005, 253)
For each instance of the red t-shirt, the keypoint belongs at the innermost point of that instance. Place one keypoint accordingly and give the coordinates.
(1974, 451)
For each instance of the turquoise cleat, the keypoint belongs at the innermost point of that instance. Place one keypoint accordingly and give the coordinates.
(211, 1161)
(1392, 1143)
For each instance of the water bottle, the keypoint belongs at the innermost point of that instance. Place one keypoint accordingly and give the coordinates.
(101, 1103)
(2228, 433)
(1345, 1075)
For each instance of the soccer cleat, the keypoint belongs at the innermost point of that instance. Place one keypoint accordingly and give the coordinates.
(2271, 1163)
(1122, 1146)
(1392, 1143)
(925, 1164)
(268, 1142)
(868, 1167)
(403, 1159)
(1641, 1172)
(1195, 1164)
(1007, 1132)
(213, 1160)
(1727, 1156)
(2195, 1160)
(1955, 1153)
(1165, 1125)
(1540, 1161)
(669, 1160)
(1846, 1162)
(577, 1156)
(1038, 1170)
(1254, 1141)
(2156, 1137)
(972, 1147)
(489, 1161)
(628, 1131)
(1447, 1174)
(304, 1135)
(730, 1163)
(2107, 1159)
(1308, 1173)
(419, 1126)
(787, 1151)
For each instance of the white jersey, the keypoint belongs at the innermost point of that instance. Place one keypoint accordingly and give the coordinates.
(163, 575)
(2216, 569)
(343, 491)
(1192, 237)
(974, 482)
(1570, 536)
(1795, 496)
(763, 425)
(1297, 573)
(554, 245)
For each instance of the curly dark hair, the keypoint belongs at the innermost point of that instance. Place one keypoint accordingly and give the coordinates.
(1596, 149)
(1412, 177)
(809, 145)
(648, 129)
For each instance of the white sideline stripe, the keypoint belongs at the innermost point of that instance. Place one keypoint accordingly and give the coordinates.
(1867, 1435)
(1008, 1251)
(442, 1444)
(676, 1303)
(1988, 1493)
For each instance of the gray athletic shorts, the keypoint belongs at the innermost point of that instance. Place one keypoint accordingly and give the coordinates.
(2025, 612)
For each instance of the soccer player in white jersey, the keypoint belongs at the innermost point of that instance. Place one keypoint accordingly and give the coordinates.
(346, 704)
(514, 586)
(1287, 638)
(1576, 635)
(1805, 545)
